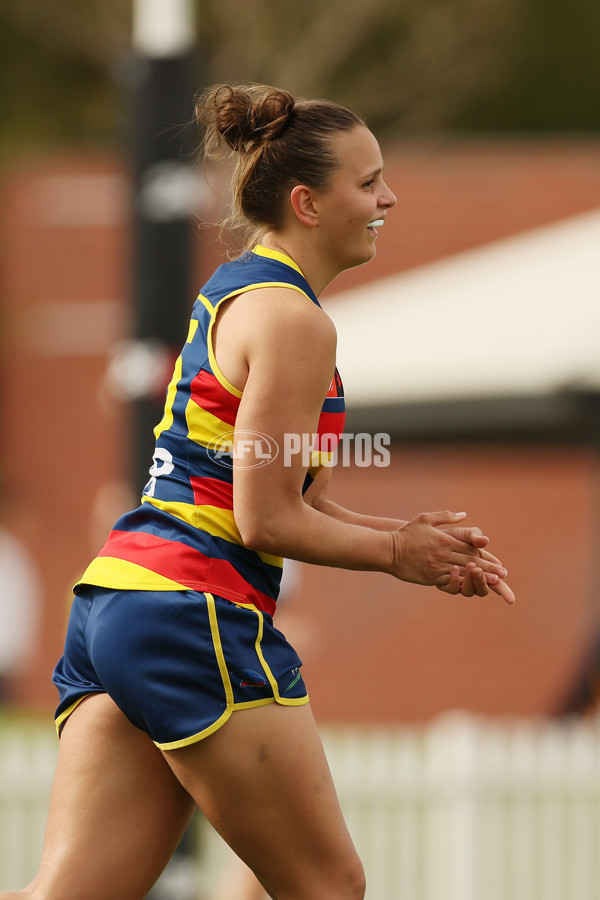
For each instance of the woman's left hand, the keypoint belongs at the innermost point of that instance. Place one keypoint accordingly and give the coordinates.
(474, 581)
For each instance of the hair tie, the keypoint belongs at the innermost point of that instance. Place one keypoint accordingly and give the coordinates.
(254, 129)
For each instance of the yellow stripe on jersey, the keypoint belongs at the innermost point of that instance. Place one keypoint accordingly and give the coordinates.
(184, 511)
(318, 460)
(213, 361)
(206, 303)
(203, 427)
(192, 330)
(277, 254)
(111, 572)
(219, 522)
(167, 419)
(212, 519)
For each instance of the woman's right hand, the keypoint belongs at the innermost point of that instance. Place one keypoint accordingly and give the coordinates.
(425, 554)
(474, 581)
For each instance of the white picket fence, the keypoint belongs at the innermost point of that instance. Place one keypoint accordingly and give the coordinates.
(27, 760)
(474, 810)
(465, 809)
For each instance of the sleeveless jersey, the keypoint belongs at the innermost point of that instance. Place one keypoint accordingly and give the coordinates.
(183, 535)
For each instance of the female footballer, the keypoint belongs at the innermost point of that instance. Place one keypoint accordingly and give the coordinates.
(175, 688)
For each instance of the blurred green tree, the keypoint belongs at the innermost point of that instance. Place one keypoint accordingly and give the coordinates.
(408, 65)
(56, 83)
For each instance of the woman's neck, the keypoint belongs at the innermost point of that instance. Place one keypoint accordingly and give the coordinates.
(310, 262)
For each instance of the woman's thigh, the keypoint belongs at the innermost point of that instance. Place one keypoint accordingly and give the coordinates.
(264, 783)
(116, 811)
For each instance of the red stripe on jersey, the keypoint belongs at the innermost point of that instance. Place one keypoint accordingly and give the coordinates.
(335, 388)
(230, 580)
(212, 492)
(181, 563)
(330, 423)
(209, 394)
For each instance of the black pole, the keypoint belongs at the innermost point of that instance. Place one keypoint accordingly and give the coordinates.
(164, 199)
(163, 146)
(162, 78)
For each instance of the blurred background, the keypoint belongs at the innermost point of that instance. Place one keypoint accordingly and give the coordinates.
(463, 733)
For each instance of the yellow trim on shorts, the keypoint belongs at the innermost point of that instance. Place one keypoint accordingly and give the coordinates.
(216, 637)
(220, 657)
(250, 704)
(60, 720)
(284, 701)
(231, 704)
(194, 738)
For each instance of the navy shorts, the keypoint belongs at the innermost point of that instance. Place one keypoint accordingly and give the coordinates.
(177, 663)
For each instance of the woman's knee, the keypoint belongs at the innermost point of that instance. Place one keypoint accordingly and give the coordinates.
(352, 881)
(343, 881)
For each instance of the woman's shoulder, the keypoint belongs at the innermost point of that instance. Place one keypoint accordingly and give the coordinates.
(284, 311)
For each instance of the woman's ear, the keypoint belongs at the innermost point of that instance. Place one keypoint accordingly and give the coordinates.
(303, 206)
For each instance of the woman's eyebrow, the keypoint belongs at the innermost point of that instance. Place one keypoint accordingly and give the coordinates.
(376, 171)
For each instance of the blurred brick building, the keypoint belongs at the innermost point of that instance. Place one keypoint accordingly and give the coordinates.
(374, 649)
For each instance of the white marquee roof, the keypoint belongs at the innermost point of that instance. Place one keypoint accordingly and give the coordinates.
(518, 317)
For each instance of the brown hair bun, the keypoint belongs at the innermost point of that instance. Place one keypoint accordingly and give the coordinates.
(245, 116)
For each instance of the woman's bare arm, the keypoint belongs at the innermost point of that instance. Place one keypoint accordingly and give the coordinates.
(288, 346)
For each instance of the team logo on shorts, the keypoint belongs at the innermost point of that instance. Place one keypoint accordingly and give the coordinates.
(248, 678)
(295, 673)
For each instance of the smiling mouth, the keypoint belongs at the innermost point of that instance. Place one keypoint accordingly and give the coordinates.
(376, 223)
